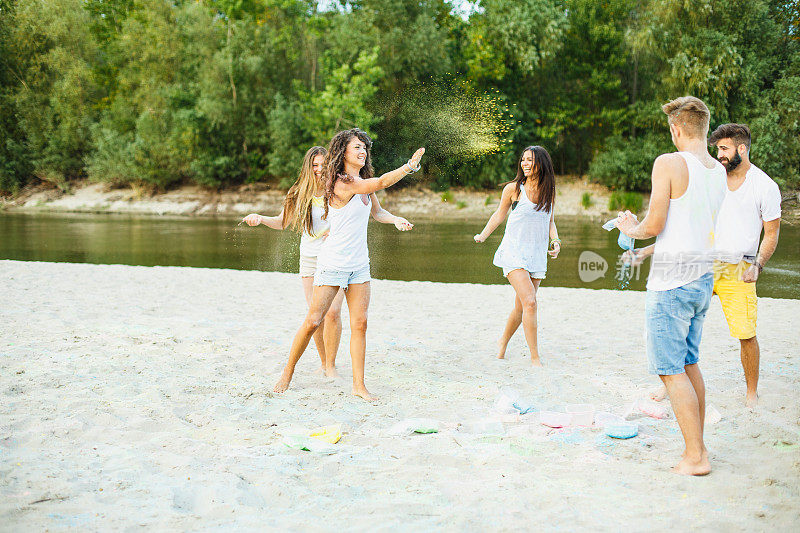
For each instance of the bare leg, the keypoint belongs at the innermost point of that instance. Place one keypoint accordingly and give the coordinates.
(751, 356)
(320, 302)
(686, 404)
(308, 290)
(358, 303)
(696, 378)
(333, 334)
(525, 288)
(513, 322)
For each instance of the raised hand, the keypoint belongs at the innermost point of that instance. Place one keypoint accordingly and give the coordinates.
(626, 222)
(416, 158)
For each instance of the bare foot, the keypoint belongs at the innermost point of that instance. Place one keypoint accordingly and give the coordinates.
(501, 350)
(331, 373)
(658, 394)
(697, 467)
(283, 383)
(362, 392)
(751, 401)
(704, 454)
(535, 361)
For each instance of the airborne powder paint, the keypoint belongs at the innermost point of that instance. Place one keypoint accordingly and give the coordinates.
(453, 120)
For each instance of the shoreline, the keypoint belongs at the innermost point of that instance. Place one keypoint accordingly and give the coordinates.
(411, 201)
(194, 201)
(153, 409)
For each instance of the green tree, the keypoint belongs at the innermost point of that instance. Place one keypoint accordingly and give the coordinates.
(314, 117)
(56, 93)
(15, 166)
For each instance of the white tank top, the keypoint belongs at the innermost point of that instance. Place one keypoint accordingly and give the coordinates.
(345, 248)
(683, 251)
(310, 244)
(526, 238)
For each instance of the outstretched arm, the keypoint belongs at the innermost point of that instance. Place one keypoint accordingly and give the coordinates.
(277, 222)
(346, 189)
(499, 215)
(385, 217)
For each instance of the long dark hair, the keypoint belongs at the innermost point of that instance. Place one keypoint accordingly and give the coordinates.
(334, 161)
(543, 174)
(297, 205)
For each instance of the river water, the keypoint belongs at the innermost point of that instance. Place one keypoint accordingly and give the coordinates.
(433, 251)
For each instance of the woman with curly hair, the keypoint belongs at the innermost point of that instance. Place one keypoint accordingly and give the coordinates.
(343, 260)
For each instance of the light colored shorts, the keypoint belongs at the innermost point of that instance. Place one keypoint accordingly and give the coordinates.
(308, 266)
(340, 278)
(534, 275)
(738, 299)
(674, 322)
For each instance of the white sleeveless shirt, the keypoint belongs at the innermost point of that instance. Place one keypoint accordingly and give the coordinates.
(345, 248)
(526, 238)
(311, 244)
(684, 248)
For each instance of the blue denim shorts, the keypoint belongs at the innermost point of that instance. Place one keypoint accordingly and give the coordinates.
(341, 278)
(675, 324)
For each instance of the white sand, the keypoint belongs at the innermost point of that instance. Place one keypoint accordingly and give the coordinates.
(140, 397)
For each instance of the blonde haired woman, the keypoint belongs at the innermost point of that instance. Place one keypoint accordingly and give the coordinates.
(302, 211)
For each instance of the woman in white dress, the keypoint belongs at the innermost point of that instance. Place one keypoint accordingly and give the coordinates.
(530, 235)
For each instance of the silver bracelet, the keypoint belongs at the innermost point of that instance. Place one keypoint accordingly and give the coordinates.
(411, 167)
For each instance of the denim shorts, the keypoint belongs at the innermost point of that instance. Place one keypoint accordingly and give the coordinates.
(341, 278)
(535, 275)
(674, 323)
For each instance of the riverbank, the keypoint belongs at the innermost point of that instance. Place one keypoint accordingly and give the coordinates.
(134, 400)
(192, 200)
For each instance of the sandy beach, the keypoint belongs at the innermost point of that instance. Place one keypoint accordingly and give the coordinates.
(137, 397)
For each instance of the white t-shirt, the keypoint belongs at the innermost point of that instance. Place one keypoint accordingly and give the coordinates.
(742, 216)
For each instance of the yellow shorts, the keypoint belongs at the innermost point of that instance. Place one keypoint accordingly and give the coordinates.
(738, 299)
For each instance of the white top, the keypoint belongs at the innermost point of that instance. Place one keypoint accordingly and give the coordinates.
(742, 216)
(345, 248)
(526, 238)
(310, 244)
(683, 251)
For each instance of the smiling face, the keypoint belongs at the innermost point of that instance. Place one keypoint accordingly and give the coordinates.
(526, 163)
(729, 154)
(356, 153)
(317, 164)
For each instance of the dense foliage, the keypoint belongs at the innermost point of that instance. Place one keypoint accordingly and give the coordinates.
(234, 91)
